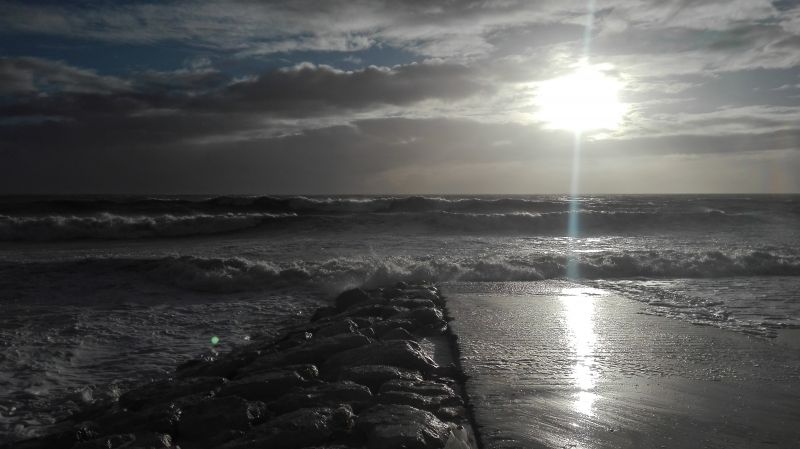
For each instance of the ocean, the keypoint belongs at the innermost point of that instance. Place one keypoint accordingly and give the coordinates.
(101, 292)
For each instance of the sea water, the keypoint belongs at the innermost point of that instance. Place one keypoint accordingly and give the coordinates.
(99, 293)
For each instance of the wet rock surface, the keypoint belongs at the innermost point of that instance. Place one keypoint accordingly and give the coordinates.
(356, 375)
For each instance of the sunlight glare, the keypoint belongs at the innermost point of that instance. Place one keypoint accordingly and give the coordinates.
(584, 100)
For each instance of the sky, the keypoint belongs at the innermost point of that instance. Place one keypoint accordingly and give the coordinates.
(395, 96)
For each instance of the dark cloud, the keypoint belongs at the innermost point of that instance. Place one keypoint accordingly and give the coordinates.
(310, 90)
(35, 75)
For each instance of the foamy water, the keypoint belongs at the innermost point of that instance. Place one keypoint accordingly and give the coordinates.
(97, 293)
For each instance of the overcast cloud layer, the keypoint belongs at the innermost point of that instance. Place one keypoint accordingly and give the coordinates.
(392, 96)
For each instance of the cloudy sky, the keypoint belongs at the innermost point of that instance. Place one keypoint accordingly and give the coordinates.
(394, 96)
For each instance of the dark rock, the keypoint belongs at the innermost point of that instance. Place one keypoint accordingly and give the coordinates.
(350, 298)
(129, 441)
(413, 303)
(215, 366)
(373, 376)
(263, 387)
(161, 418)
(323, 312)
(375, 310)
(108, 442)
(430, 403)
(326, 394)
(401, 426)
(423, 387)
(429, 316)
(216, 416)
(291, 340)
(452, 413)
(400, 353)
(362, 322)
(346, 326)
(398, 334)
(298, 429)
(318, 350)
(169, 389)
(382, 327)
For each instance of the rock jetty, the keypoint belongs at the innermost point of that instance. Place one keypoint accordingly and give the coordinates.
(374, 370)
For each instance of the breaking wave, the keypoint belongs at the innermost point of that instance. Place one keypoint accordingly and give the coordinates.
(240, 274)
(111, 226)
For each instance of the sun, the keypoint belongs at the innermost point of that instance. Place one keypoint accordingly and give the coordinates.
(584, 100)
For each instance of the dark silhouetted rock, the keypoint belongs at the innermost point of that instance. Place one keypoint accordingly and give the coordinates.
(323, 312)
(318, 350)
(398, 334)
(412, 303)
(169, 389)
(400, 353)
(346, 326)
(373, 376)
(401, 426)
(161, 418)
(226, 366)
(430, 403)
(350, 298)
(428, 316)
(214, 417)
(298, 429)
(263, 387)
(129, 441)
(382, 327)
(325, 394)
(423, 387)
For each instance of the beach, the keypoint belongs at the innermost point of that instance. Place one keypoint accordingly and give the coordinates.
(556, 364)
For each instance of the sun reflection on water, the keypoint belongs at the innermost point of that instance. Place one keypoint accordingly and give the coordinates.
(579, 307)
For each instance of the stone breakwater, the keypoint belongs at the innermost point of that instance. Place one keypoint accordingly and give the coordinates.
(377, 370)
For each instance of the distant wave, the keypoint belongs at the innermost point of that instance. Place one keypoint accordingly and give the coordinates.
(240, 274)
(107, 225)
(112, 226)
(390, 204)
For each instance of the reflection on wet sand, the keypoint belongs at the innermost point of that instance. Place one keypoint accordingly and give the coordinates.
(553, 365)
(578, 306)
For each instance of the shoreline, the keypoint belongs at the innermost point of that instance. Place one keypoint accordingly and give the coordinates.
(379, 368)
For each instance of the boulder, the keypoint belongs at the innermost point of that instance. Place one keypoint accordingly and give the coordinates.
(325, 394)
(169, 389)
(298, 429)
(382, 327)
(430, 403)
(215, 417)
(412, 303)
(129, 441)
(373, 376)
(398, 333)
(346, 326)
(318, 350)
(350, 298)
(423, 387)
(226, 366)
(401, 426)
(161, 418)
(323, 312)
(426, 316)
(264, 386)
(400, 353)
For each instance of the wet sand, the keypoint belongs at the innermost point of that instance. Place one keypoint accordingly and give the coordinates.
(555, 365)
